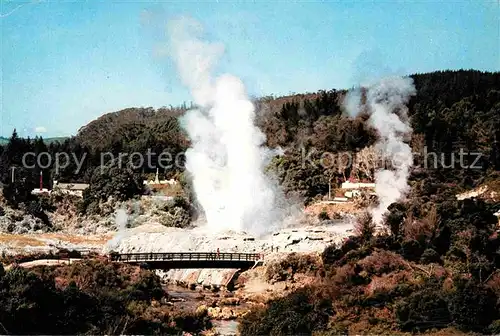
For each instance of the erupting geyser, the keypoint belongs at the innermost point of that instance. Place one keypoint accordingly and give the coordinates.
(227, 157)
(386, 102)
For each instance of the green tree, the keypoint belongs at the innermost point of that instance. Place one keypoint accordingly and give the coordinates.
(120, 183)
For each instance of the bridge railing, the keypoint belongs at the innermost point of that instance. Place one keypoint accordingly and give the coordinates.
(184, 256)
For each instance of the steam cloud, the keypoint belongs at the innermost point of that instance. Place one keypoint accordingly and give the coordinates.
(386, 102)
(227, 157)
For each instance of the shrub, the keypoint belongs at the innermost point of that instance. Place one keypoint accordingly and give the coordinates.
(364, 227)
(494, 328)
(30, 304)
(423, 310)
(385, 283)
(471, 306)
(411, 250)
(395, 217)
(386, 242)
(493, 283)
(146, 288)
(193, 323)
(348, 276)
(354, 256)
(180, 213)
(100, 276)
(480, 267)
(333, 255)
(323, 215)
(294, 263)
(300, 312)
(430, 256)
(381, 262)
(422, 230)
(344, 275)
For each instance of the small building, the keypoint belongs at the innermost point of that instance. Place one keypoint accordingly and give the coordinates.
(157, 197)
(75, 189)
(353, 193)
(357, 185)
(353, 188)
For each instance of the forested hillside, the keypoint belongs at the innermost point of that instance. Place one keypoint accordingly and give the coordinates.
(435, 269)
(4, 141)
(452, 110)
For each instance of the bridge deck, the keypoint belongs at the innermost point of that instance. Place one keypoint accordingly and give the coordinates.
(168, 260)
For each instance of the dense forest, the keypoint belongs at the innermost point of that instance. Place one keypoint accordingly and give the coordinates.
(434, 271)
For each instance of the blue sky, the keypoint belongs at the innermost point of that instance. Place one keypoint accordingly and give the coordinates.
(64, 63)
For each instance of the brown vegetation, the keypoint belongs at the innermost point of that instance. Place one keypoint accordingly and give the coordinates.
(364, 226)
(90, 297)
(382, 262)
(285, 269)
(415, 280)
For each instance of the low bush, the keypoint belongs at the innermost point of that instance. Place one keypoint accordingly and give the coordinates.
(294, 263)
(381, 261)
(430, 256)
(364, 227)
(423, 310)
(180, 213)
(82, 300)
(299, 313)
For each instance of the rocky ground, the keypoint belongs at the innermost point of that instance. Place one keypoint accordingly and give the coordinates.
(21, 232)
(252, 288)
(15, 244)
(143, 229)
(158, 238)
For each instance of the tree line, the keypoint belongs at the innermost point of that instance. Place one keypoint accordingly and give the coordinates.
(452, 110)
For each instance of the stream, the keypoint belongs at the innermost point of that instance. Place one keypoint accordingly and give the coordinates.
(193, 300)
(226, 328)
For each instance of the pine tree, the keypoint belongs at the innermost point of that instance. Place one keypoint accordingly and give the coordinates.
(11, 157)
(15, 173)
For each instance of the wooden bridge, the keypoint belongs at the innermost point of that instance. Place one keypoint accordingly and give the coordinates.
(175, 260)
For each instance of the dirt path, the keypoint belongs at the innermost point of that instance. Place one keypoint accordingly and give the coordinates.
(44, 262)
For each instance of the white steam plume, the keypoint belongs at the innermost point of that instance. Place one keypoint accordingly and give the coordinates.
(227, 157)
(121, 221)
(386, 102)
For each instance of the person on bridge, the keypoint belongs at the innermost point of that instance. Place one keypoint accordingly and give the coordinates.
(218, 253)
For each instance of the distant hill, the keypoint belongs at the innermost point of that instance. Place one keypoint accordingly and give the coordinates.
(452, 111)
(4, 140)
(297, 118)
